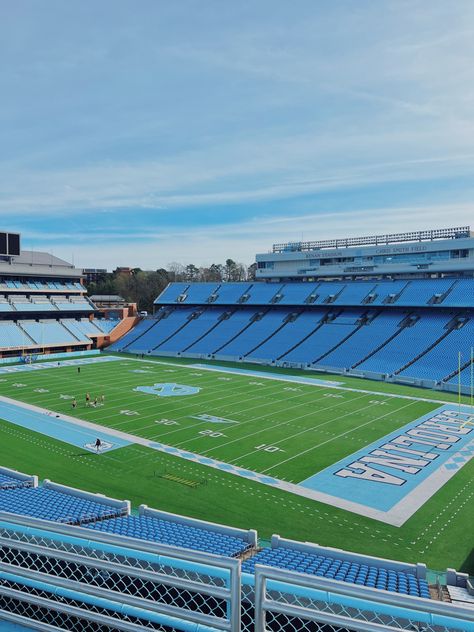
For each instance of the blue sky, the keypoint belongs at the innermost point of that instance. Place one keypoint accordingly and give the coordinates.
(141, 133)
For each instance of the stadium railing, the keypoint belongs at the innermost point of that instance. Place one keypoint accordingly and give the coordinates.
(122, 579)
(288, 602)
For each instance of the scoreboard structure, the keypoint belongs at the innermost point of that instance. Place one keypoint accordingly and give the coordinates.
(9, 244)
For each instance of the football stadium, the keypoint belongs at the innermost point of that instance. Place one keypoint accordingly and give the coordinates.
(291, 452)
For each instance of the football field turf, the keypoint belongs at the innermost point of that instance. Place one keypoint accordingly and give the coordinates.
(277, 428)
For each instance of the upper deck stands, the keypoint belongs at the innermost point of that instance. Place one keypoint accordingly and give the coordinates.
(409, 293)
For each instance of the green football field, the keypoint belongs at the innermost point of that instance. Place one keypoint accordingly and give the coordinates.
(277, 428)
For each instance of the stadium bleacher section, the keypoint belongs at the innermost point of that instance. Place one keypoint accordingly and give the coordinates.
(417, 292)
(59, 504)
(407, 330)
(86, 551)
(333, 567)
(173, 533)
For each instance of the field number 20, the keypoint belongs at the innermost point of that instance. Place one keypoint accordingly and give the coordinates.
(211, 433)
(268, 448)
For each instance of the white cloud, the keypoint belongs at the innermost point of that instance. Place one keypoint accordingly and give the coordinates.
(242, 241)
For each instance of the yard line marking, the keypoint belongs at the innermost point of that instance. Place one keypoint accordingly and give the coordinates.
(337, 437)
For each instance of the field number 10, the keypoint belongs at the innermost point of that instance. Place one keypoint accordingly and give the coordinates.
(268, 448)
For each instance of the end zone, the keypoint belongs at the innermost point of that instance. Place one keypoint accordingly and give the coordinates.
(393, 477)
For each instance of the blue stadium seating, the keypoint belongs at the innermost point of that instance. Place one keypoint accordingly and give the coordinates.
(80, 328)
(230, 293)
(9, 482)
(420, 293)
(393, 328)
(256, 332)
(465, 376)
(355, 293)
(48, 332)
(289, 335)
(50, 504)
(171, 293)
(297, 293)
(127, 342)
(173, 534)
(442, 359)
(320, 342)
(226, 329)
(13, 336)
(194, 329)
(407, 345)
(328, 291)
(106, 324)
(165, 327)
(461, 294)
(339, 569)
(258, 295)
(364, 340)
(5, 306)
(199, 293)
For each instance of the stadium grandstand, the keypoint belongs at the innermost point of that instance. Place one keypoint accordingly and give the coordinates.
(408, 318)
(393, 308)
(72, 560)
(44, 308)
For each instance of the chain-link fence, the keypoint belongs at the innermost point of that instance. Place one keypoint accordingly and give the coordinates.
(57, 577)
(289, 602)
(159, 580)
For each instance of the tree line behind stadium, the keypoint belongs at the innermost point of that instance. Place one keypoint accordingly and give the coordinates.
(143, 286)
